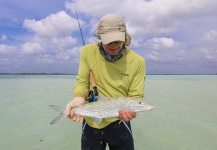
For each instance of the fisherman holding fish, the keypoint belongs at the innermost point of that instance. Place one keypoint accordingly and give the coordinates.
(118, 72)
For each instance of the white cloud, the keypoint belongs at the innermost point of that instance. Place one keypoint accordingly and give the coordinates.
(7, 49)
(31, 48)
(75, 51)
(45, 59)
(69, 54)
(3, 37)
(145, 18)
(161, 43)
(63, 41)
(211, 36)
(63, 56)
(163, 31)
(53, 25)
(208, 54)
(52, 37)
(164, 49)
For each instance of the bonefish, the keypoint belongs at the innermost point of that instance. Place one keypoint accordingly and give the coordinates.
(105, 107)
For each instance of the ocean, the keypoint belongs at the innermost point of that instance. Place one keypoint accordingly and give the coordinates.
(184, 117)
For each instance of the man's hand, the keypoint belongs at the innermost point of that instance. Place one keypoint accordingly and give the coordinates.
(77, 101)
(126, 115)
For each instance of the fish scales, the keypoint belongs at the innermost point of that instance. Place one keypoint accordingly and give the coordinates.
(105, 107)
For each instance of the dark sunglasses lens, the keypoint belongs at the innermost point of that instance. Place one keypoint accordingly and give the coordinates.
(115, 42)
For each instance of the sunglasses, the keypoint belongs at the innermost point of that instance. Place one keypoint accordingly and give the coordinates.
(115, 42)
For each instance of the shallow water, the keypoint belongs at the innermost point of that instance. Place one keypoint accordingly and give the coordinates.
(184, 118)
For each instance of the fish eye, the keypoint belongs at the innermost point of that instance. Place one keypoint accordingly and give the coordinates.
(140, 102)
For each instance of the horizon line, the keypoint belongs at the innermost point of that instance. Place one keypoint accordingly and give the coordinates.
(33, 73)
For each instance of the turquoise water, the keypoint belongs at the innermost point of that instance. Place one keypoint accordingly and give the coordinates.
(184, 118)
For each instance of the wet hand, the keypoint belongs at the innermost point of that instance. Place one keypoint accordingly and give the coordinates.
(74, 117)
(126, 115)
(77, 101)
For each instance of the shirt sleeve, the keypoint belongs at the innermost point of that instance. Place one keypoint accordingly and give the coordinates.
(83, 80)
(138, 83)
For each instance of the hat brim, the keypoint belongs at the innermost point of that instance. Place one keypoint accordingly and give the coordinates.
(111, 37)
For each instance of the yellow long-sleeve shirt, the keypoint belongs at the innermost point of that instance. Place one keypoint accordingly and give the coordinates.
(124, 77)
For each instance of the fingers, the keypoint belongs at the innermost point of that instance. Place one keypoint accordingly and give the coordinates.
(78, 118)
(133, 114)
(126, 115)
(120, 112)
(68, 110)
(77, 101)
(70, 113)
(74, 117)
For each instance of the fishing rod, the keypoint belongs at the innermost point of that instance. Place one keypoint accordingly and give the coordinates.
(79, 26)
(92, 96)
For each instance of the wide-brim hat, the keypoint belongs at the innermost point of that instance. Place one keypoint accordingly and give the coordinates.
(111, 28)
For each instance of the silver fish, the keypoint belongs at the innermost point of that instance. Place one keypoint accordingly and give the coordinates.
(105, 107)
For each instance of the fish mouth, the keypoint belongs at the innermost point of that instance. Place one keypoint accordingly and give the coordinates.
(150, 107)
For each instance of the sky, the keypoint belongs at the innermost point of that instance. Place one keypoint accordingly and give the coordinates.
(173, 36)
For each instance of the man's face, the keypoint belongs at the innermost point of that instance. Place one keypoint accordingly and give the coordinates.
(113, 48)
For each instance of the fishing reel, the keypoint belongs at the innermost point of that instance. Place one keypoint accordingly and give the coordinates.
(92, 96)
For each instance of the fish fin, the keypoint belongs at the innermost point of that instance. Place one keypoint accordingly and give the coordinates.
(62, 114)
(58, 108)
(97, 120)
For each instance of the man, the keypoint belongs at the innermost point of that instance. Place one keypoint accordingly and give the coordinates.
(118, 72)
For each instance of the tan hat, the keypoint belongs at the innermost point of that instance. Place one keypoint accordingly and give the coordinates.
(111, 28)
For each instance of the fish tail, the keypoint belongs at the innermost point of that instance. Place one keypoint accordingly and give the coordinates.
(62, 114)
